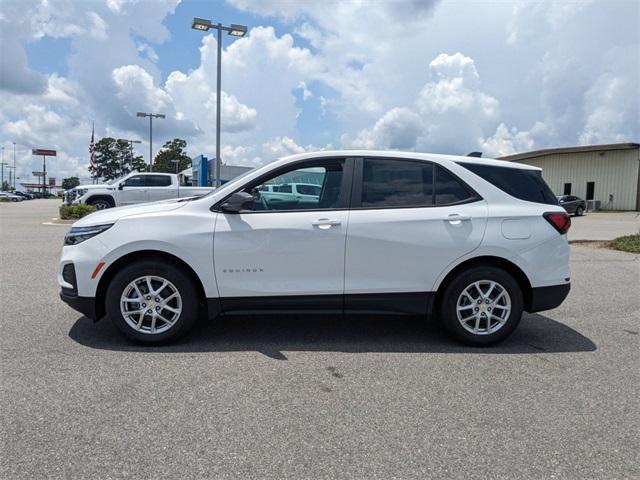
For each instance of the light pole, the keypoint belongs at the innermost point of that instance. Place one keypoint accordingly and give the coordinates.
(151, 117)
(2, 164)
(204, 25)
(14, 166)
(10, 168)
(131, 142)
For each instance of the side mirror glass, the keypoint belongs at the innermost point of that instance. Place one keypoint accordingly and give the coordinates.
(120, 185)
(237, 202)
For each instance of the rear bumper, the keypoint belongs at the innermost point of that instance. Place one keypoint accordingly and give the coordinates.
(546, 298)
(84, 305)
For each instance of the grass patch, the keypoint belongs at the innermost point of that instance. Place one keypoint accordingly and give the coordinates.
(628, 243)
(72, 212)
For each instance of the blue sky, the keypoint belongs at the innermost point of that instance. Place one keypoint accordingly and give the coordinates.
(436, 75)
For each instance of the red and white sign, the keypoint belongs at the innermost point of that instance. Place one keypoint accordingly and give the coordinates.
(44, 152)
(52, 181)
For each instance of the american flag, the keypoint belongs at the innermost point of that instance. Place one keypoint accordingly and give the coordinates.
(92, 153)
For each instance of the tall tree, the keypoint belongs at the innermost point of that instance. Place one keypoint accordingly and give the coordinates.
(172, 150)
(70, 182)
(114, 159)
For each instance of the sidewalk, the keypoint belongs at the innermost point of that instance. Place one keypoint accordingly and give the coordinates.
(604, 225)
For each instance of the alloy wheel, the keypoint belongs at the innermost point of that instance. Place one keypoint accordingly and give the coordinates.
(483, 307)
(151, 304)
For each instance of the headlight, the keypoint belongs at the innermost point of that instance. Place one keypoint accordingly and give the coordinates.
(80, 192)
(79, 234)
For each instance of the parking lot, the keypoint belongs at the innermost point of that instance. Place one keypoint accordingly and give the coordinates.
(298, 397)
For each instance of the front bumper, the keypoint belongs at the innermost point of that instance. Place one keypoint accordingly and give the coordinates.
(546, 298)
(84, 305)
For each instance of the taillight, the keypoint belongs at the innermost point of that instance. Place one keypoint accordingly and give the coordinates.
(560, 221)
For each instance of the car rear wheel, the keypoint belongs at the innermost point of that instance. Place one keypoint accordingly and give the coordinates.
(152, 302)
(482, 306)
(579, 211)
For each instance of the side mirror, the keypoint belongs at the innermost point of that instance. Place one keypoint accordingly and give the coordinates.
(120, 185)
(237, 202)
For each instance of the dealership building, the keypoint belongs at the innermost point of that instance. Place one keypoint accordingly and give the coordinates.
(607, 176)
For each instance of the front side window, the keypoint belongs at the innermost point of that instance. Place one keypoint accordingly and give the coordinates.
(277, 193)
(135, 181)
(158, 180)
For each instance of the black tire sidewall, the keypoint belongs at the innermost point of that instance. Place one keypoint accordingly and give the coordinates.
(579, 211)
(170, 272)
(463, 280)
(96, 202)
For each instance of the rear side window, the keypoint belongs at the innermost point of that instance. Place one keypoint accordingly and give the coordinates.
(396, 183)
(158, 180)
(524, 184)
(406, 183)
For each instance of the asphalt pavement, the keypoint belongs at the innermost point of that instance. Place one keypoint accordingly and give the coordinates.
(325, 398)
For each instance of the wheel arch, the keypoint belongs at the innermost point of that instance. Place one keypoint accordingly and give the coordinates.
(490, 261)
(135, 256)
(108, 198)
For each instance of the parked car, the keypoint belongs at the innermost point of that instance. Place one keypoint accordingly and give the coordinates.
(573, 204)
(10, 196)
(131, 189)
(473, 242)
(24, 195)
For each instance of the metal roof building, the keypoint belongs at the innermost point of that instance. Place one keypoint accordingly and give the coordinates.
(607, 174)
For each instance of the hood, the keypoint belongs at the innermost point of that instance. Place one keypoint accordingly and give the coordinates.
(111, 215)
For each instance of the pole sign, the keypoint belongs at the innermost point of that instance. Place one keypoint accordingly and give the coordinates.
(38, 174)
(52, 182)
(44, 152)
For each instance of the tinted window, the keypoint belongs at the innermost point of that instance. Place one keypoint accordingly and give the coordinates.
(135, 181)
(520, 183)
(158, 180)
(449, 189)
(397, 183)
(276, 193)
(308, 189)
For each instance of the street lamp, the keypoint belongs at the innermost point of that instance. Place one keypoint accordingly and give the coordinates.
(10, 168)
(204, 25)
(14, 166)
(151, 117)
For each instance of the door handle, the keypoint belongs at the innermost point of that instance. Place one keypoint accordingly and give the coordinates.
(457, 218)
(325, 223)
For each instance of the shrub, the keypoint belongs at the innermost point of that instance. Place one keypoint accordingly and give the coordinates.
(628, 243)
(69, 212)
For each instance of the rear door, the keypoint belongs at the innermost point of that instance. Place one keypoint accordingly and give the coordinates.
(409, 220)
(161, 187)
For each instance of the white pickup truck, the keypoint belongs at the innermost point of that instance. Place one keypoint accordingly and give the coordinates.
(133, 188)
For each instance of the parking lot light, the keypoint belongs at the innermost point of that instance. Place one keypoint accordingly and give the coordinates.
(237, 30)
(201, 24)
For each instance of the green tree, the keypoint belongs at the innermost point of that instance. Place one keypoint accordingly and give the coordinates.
(70, 182)
(114, 159)
(172, 150)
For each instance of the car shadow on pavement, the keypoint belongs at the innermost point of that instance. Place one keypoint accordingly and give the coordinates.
(273, 335)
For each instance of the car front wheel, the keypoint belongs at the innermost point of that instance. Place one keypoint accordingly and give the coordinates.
(152, 302)
(482, 306)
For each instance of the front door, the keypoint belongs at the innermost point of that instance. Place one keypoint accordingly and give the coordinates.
(286, 253)
(133, 190)
(410, 220)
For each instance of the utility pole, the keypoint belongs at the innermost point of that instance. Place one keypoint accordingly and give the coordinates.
(2, 164)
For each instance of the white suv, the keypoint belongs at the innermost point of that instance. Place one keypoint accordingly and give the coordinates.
(473, 241)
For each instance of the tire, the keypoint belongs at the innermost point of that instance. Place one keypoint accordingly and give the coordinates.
(150, 331)
(502, 322)
(100, 203)
(579, 211)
